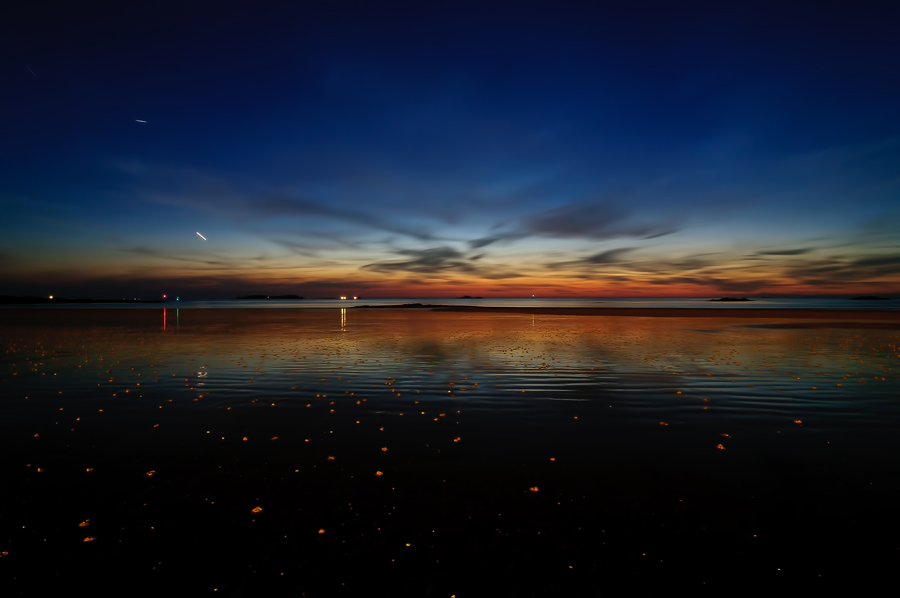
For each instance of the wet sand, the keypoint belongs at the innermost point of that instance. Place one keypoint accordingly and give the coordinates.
(426, 452)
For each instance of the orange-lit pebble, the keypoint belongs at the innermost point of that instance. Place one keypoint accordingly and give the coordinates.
(384, 449)
(89, 469)
(797, 421)
(720, 447)
(155, 425)
(533, 489)
(456, 439)
(678, 392)
(663, 424)
(85, 523)
(552, 459)
(151, 472)
(725, 435)
(256, 510)
(89, 539)
(378, 473)
(35, 435)
(321, 531)
(331, 458)
(274, 438)
(245, 439)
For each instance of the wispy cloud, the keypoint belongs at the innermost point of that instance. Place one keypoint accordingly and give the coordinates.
(425, 261)
(247, 204)
(443, 262)
(798, 251)
(592, 220)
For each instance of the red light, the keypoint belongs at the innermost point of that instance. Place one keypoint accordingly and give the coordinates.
(164, 296)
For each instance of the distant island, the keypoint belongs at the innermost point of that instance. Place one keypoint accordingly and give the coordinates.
(404, 305)
(731, 299)
(10, 300)
(469, 297)
(870, 298)
(270, 297)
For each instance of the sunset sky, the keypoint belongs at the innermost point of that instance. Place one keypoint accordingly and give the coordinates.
(428, 149)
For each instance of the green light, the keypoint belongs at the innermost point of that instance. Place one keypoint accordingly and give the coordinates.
(177, 298)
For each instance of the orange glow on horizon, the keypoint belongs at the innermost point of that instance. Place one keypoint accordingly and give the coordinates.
(523, 279)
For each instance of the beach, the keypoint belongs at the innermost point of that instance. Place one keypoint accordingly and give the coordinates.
(447, 451)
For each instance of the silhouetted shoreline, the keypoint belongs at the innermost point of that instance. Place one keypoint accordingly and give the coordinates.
(270, 297)
(11, 300)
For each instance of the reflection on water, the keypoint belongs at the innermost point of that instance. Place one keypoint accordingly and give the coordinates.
(461, 414)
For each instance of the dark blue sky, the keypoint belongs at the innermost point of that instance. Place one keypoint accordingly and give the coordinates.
(390, 148)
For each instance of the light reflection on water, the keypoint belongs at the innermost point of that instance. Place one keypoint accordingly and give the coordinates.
(687, 430)
(646, 367)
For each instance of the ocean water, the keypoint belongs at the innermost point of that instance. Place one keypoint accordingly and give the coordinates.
(706, 303)
(250, 451)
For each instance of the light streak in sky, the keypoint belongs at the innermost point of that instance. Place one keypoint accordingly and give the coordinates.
(137, 120)
(201, 236)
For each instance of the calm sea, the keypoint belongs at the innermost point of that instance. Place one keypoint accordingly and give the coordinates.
(332, 451)
(756, 303)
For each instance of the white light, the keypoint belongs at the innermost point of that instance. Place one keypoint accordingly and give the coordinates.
(201, 236)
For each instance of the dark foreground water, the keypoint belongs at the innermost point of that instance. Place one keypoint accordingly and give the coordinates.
(402, 452)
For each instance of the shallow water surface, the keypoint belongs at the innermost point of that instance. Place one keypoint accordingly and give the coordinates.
(443, 452)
